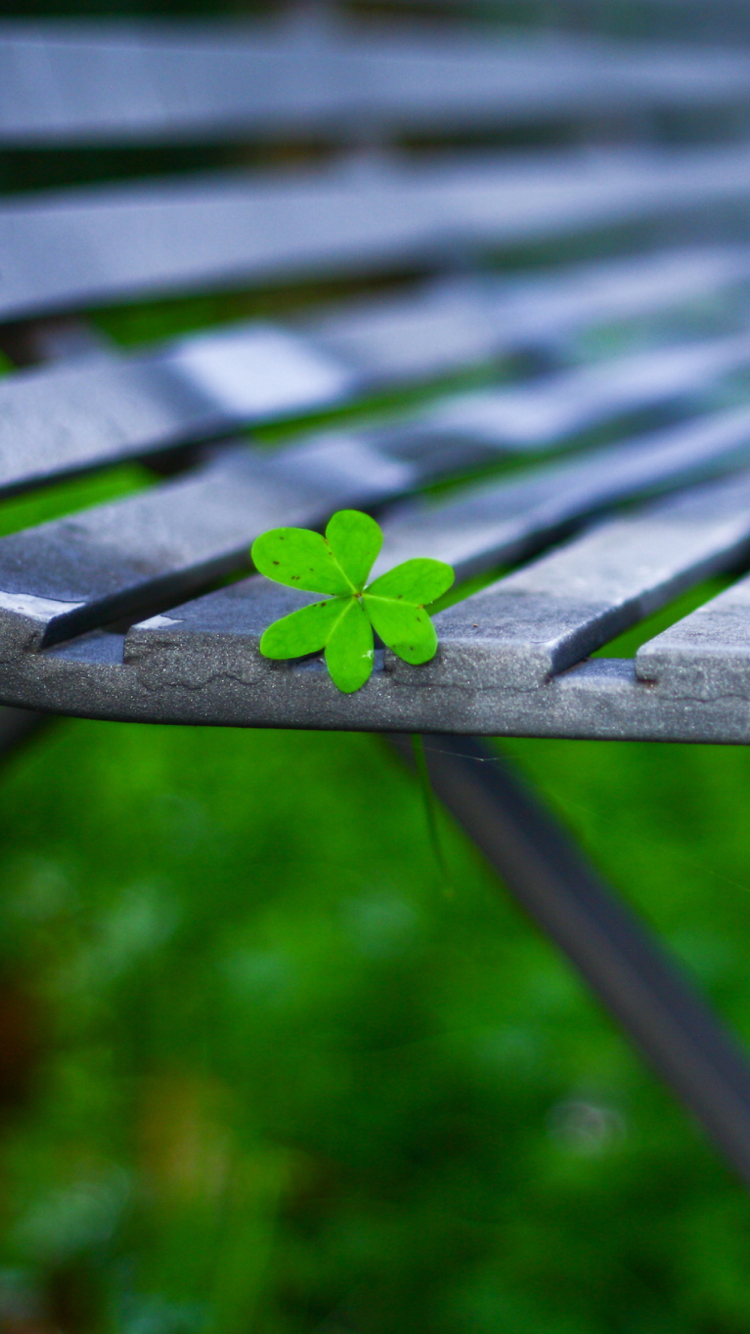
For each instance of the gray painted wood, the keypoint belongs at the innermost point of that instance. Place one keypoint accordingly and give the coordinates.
(74, 82)
(705, 656)
(61, 578)
(500, 523)
(600, 699)
(83, 246)
(451, 322)
(542, 619)
(101, 409)
(104, 408)
(199, 662)
(64, 577)
(81, 82)
(549, 410)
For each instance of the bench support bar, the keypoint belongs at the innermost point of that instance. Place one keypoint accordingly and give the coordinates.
(633, 978)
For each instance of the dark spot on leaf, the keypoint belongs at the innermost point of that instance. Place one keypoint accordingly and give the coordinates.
(276, 562)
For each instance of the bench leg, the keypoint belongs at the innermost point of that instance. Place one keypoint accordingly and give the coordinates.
(18, 726)
(672, 1026)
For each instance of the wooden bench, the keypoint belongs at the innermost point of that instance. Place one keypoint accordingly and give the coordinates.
(122, 611)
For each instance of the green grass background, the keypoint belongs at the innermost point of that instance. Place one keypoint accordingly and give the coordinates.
(283, 1083)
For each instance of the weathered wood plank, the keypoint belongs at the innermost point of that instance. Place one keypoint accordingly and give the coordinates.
(100, 410)
(501, 523)
(63, 577)
(550, 615)
(535, 416)
(600, 699)
(74, 82)
(67, 576)
(453, 321)
(705, 656)
(78, 247)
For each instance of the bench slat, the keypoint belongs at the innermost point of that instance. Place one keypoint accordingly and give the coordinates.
(503, 522)
(73, 83)
(542, 414)
(57, 419)
(63, 577)
(67, 576)
(705, 656)
(74, 248)
(454, 321)
(500, 523)
(80, 83)
(100, 410)
(84, 246)
(541, 620)
(65, 418)
(223, 687)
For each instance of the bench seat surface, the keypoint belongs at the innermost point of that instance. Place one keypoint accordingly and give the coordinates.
(586, 491)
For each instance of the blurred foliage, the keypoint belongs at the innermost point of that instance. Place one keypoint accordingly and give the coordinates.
(268, 1077)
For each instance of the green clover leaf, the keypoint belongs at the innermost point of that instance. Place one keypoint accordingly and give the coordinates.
(342, 625)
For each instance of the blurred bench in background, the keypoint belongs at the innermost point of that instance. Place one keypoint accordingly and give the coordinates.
(547, 238)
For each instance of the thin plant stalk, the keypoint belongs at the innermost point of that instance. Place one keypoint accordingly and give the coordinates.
(430, 810)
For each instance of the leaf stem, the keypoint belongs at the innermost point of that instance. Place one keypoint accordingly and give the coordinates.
(430, 809)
